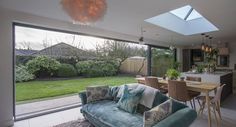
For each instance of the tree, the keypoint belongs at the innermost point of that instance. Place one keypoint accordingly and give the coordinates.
(118, 50)
(113, 50)
(26, 45)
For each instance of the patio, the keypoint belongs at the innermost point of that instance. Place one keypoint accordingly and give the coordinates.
(228, 112)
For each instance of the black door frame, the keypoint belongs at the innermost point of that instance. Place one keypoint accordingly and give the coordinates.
(149, 57)
(14, 24)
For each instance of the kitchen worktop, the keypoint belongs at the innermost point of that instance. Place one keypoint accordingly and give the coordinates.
(218, 77)
(216, 73)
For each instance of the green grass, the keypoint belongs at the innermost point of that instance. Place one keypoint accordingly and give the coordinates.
(43, 89)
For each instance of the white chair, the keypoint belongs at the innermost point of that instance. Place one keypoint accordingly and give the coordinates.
(214, 102)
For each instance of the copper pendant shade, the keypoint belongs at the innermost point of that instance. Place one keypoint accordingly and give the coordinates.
(85, 11)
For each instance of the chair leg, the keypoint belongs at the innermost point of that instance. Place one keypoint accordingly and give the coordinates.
(200, 107)
(218, 109)
(214, 110)
(203, 107)
(191, 104)
(194, 105)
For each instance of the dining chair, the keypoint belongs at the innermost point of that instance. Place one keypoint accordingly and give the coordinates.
(197, 79)
(214, 102)
(153, 82)
(178, 91)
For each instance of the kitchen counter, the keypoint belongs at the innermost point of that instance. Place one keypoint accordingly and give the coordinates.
(208, 77)
(218, 77)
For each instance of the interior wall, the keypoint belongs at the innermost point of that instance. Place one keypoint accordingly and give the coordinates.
(180, 57)
(6, 87)
(6, 51)
(232, 54)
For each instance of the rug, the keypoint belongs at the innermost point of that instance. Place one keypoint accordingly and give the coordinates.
(76, 123)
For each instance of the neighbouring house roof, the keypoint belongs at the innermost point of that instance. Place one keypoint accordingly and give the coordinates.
(25, 52)
(64, 50)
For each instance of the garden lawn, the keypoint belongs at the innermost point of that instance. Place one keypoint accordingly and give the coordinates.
(43, 89)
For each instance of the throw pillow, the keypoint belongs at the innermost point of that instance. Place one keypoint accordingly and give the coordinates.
(96, 93)
(158, 113)
(130, 99)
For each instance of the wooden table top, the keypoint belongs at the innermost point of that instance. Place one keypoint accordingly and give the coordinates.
(191, 85)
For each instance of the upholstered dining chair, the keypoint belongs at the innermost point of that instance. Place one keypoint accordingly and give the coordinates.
(214, 102)
(178, 91)
(153, 82)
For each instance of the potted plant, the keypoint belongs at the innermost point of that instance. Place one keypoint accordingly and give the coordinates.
(200, 68)
(211, 59)
(172, 74)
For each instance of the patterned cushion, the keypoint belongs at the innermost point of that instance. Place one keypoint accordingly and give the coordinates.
(96, 93)
(158, 113)
(130, 99)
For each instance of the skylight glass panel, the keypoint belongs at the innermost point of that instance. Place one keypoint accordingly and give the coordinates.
(194, 15)
(183, 21)
(181, 12)
(186, 13)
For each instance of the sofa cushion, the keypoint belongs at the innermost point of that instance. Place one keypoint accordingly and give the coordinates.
(130, 86)
(159, 98)
(148, 96)
(157, 113)
(114, 92)
(106, 111)
(181, 118)
(96, 93)
(130, 99)
(162, 111)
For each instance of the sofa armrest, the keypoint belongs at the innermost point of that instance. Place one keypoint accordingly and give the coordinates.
(183, 118)
(83, 97)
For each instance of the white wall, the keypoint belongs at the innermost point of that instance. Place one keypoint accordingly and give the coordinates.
(6, 87)
(6, 52)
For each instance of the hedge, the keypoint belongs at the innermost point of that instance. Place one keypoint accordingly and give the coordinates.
(43, 66)
(66, 70)
(93, 68)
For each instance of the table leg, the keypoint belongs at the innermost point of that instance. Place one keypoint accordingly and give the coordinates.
(208, 109)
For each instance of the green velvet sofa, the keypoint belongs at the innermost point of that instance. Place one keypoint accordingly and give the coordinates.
(106, 114)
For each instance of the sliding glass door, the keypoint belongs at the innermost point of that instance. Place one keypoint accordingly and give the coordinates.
(161, 60)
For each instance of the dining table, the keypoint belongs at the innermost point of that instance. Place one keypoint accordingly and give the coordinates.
(203, 87)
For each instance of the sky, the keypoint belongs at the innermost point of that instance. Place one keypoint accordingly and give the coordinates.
(36, 39)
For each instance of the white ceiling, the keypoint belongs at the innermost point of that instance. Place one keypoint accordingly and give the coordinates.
(127, 16)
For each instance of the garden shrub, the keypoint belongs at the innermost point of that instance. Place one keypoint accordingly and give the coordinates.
(68, 60)
(93, 68)
(43, 66)
(22, 60)
(66, 70)
(22, 74)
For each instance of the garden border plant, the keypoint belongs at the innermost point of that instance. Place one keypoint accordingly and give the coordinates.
(43, 66)
(97, 68)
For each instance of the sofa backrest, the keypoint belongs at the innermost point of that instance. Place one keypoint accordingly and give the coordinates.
(151, 96)
(158, 99)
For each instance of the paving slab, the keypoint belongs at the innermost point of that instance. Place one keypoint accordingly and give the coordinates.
(33, 107)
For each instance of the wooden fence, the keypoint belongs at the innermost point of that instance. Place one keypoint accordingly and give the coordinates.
(134, 65)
